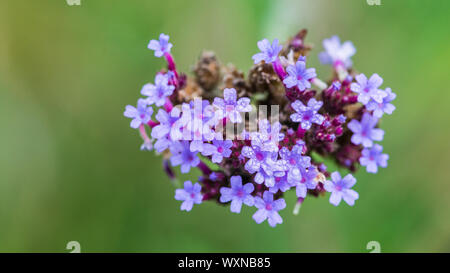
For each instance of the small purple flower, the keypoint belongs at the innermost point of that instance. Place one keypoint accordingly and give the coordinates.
(182, 155)
(307, 182)
(237, 194)
(335, 53)
(269, 53)
(372, 158)
(165, 132)
(158, 92)
(368, 88)
(268, 209)
(341, 118)
(281, 184)
(294, 163)
(214, 176)
(218, 149)
(299, 76)
(160, 47)
(230, 107)
(341, 188)
(307, 115)
(140, 115)
(190, 195)
(364, 132)
(268, 136)
(262, 163)
(384, 107)
(198, 120)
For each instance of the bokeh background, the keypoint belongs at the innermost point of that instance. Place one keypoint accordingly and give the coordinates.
(71, 169)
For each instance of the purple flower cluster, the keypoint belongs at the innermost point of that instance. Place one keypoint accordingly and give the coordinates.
(337, 119)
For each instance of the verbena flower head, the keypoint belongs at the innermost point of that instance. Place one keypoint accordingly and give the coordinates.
(268, 209)
(237, 194)
(373, 157)
(190, 195)
(299, 76)
(384, 107)
(141, 114)
(336, 53)
(307, 114)
(214, 121)
(158, 92)
(340, 188)
(269, 52)
(367, 89)
(160, 46)
(364, 131)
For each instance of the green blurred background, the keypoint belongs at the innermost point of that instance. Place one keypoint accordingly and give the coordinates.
(71, 169)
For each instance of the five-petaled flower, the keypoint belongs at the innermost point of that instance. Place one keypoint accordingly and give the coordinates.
(182, 155)
(262, 163)
(373, 157)
(230, 107)
(158, 92)
(299, 76)
(364, 132)
(269, 52)
(367, 89)
(190, 195)
(237, 194)
(293, 162)
(164, 132)
(336, 53)
(268, 136)
(141, 114)
(218, 150)
(281, 183)
(340, 188)
(307, 115)
(307, 182)
(384, 107)
(268, 209)
(160, 47)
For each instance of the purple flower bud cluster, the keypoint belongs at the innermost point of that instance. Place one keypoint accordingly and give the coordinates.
(207, 121)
